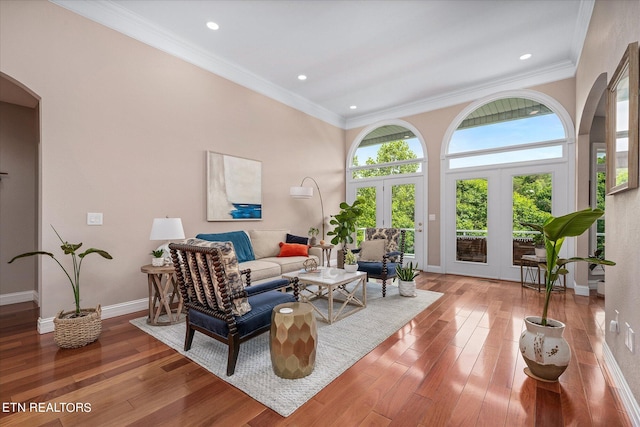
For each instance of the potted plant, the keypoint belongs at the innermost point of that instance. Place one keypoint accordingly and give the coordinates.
(345, 227)
(313, 232)
(350, 262)
(538, 244)
(82, 326)
(543, 348)
(158, 258)
(407, 279)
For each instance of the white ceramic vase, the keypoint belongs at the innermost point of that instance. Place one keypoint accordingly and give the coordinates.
(351, 268)
(407, 288)
(544, 349)
(541, 252)
(157, 262)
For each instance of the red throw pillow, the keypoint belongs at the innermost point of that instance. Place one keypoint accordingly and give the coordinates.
(293, 249)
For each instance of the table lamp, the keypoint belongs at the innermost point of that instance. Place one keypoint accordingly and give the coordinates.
(166, 229)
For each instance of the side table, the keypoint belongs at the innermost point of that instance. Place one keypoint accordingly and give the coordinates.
(163, 290)
(293, 340)
(326, 252)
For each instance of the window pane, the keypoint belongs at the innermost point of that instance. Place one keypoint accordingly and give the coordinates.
(367, 197)
(532, 196)
(507, 122)
(527, 155)
(403, 211)
(471, 220)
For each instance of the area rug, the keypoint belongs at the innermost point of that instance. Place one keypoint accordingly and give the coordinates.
(340, 345)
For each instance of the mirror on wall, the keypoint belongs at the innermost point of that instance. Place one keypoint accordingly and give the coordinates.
(622, 124)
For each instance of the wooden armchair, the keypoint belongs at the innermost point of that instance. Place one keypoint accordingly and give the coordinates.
(379, 260)
(218, 303)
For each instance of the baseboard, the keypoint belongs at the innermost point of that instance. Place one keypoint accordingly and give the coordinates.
(624, 392)
(434, 269)
(17, 297)
(46, 325)
(581, 290)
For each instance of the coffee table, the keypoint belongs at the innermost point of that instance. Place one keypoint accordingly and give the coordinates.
(336, 286)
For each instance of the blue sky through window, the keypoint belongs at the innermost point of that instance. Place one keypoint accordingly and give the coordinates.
(510, 133)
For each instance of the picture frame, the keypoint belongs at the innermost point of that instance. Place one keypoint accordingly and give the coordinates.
(621, 123)
(234, 188)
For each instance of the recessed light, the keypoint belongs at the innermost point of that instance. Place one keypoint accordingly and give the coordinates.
(302, 77)
(525, 56)
(212, 25)
(353, 107)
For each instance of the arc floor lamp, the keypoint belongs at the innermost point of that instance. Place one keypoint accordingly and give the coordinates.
(301, 192)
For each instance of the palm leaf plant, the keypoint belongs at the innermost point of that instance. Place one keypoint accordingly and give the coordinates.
(555, 230)
(69, 249)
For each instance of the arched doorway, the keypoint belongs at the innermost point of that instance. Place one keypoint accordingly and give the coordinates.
(19, 151)
(507, 159)
(386, 169)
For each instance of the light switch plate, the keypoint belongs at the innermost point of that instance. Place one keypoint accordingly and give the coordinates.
(94, 218)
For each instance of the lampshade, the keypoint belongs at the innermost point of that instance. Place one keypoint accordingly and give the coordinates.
(166, 229)
(301, 192)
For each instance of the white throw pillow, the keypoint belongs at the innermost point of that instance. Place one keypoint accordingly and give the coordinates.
(372, 250)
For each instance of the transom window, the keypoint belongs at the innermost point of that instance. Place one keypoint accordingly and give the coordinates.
(507, 130)
(387, 150)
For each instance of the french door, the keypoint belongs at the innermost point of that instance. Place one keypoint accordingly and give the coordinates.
(484, 210)
(394, 202)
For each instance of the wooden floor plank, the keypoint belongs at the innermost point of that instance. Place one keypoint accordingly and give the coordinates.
(456, 363)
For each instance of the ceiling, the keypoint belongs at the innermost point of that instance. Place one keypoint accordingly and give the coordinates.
(389, 58)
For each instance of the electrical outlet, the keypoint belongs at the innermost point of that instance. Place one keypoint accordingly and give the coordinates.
(629, 338)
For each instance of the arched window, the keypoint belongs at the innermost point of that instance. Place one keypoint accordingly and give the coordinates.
(507, 130)
(385, 170)
(507, 160)
(387, 150)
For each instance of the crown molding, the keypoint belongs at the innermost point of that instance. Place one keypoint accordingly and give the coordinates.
(550, 74)
(113, 16)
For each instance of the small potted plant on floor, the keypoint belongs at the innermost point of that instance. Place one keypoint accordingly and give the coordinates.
(157, 259)
(350, 262)
(83, 325)
(543, 348)
(407, 279)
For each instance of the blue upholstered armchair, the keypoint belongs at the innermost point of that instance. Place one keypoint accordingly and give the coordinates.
(380, 252)
(218, 303)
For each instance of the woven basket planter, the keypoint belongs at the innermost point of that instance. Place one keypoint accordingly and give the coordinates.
(74, 332)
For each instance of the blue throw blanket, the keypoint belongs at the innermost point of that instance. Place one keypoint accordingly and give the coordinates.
(240, 240)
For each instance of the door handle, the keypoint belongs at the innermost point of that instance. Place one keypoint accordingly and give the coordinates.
(419, 230)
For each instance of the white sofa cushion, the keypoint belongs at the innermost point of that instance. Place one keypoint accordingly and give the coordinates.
(290, 263)
(261, 269)
(266, 243)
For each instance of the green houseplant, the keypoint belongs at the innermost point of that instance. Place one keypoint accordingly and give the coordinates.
(78, 327)
(158, 258)
(350, 261)
(406, 279)
(344, 227)
(345, 223)
(546, 353)
(313, 232)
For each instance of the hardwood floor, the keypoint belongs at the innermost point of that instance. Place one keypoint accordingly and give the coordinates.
(456, 363)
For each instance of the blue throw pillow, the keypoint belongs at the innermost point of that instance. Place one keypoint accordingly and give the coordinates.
(240, 240)
(296, 239)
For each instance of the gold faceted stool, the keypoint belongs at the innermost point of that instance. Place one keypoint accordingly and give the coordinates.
(293, 339)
